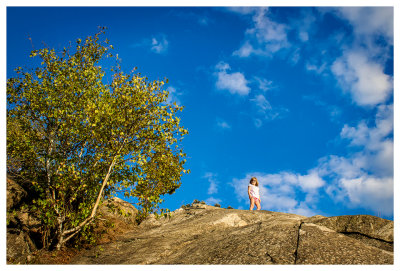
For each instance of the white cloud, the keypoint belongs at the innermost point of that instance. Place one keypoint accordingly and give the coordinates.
(261, 102)
(371, 137)
(245, 51)
(235, 83)
(265, 36)
(270, 34)
(303, 209)
(264, 110)
(223, 124)
(257, 122)
(264, 84)
(319, 69)
(173, 96)
(341, 166)
(305, 24)
(361, 189)
(364, 178)
(271, 200)
(244, 10)
(361, 71)
(211, 178)
(333, 111)
(377, 147)
(363, 78)
(370, 192)
(310, 182)
(372, 28)
(159, 45)
(369, 21)
(212, 201)
(358, 135)
(303, 36)
(295, 57)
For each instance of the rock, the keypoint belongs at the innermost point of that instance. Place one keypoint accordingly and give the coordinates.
(205, 234)
(371, 230)
(28, 220)
(15, 194)
(371, 226)
(321, 245)
(19, 247)
(118, 209)
(20, 226)
(115, 217)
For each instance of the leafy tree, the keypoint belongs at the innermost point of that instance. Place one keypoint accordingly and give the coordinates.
(76, 139)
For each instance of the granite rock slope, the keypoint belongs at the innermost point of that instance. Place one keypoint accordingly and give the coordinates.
(203, 234)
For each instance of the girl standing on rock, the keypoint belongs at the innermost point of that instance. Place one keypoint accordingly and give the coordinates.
(254, 193)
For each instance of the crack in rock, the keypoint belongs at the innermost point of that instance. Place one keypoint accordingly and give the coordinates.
(272, 259)
(298, 242)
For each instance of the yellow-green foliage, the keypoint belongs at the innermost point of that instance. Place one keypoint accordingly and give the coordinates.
(69, 132)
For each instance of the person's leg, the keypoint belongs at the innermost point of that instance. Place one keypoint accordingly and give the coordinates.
(251, 203)
(257, 202)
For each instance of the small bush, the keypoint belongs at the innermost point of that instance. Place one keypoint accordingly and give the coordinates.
(217, 205)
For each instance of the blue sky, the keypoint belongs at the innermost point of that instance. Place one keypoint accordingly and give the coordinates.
(300, 97)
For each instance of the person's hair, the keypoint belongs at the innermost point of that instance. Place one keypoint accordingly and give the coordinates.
(254, 179)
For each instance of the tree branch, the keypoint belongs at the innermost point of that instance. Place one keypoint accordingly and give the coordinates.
(87, 220)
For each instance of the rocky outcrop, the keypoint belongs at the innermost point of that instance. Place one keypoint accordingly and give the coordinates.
(115, 217)
(371, 230)
(15, 194)
(203, 234)
(21, 226)
(118, 209)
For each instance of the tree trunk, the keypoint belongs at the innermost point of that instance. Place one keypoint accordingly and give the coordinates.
(62, 239)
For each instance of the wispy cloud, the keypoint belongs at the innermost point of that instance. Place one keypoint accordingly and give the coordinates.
(222, 124)
(244, 10)
(235, 82)
(201, 17)
(159, 45)
(319, 69)
(261, 103)
(334, 111)
(265, 36)
(204, 20)
(264, 84)
(305, 25)
(212, 201)
(264, 111)
(213, 183)
(174, 96)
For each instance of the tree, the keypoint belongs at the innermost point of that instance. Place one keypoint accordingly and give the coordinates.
(76, 140)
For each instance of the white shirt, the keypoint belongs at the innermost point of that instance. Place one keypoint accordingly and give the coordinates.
(254, 191)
